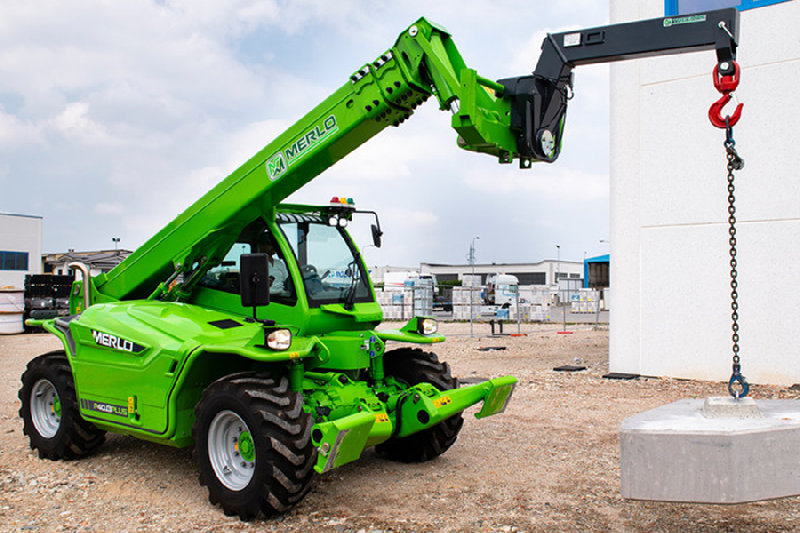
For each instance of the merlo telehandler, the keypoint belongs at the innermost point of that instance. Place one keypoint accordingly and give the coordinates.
(247, 327)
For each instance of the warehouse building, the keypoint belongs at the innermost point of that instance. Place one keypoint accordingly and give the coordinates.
(20, 248)
(543, 273)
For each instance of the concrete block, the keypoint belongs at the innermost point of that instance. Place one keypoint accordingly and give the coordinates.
(676, 453)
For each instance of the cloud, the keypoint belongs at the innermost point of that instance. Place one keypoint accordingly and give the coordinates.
(411, 217)
(91, 47)
(592, 9)
(524, 57)
(243, 144)
(392, 156)
(16, 132)
(545, 182)
(113, 208)
(231, 18)
(75, 124)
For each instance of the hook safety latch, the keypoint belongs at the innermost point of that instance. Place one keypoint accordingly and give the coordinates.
(725, 85)
(715, 113)
(738, 386)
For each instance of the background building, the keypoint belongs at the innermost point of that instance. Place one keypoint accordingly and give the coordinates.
(669, 230)
(98, 262)
(378, 273)
(596, 272)
(20, 248)
(541, 273)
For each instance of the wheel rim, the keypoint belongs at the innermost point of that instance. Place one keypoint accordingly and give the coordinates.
(231, 450)
(45, 408)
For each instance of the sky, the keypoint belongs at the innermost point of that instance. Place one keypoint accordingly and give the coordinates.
(116, 115)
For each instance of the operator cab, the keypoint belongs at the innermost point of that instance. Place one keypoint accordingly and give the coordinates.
(309, 252)
(330, 266)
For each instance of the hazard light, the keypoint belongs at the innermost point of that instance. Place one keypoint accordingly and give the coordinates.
(343, 202)
(340, 211)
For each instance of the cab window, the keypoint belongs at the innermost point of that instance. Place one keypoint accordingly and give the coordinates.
(256, 238)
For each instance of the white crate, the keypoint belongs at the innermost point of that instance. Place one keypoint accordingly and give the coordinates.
(461, 295)
(461, 312)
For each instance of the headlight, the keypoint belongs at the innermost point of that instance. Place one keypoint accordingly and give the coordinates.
(279, 339)
(428, 326)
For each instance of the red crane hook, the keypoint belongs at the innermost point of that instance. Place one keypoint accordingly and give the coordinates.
(715, 113)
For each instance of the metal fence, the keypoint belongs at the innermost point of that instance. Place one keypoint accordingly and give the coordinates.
(528, 304)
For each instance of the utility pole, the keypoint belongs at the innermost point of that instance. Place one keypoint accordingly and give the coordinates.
(471, 259)
(558, 273)
(558, 291)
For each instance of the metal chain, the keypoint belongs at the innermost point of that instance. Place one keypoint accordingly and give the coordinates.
(737, 385)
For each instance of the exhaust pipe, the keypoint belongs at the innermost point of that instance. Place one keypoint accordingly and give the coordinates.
(85, 274)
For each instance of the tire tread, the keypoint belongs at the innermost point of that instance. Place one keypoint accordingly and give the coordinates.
(282, 431)
(76, 437)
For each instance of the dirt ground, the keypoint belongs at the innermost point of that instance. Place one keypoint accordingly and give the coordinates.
(550, 463)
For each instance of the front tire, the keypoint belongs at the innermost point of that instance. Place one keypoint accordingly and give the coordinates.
(415, 366)
(50, 415)
(253, 445)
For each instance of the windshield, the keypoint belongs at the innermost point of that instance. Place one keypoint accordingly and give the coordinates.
(328, 263)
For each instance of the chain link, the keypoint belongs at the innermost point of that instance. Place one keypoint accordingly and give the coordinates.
(737, 386)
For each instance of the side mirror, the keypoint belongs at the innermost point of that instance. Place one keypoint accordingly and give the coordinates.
(254, 280)
(376, 236)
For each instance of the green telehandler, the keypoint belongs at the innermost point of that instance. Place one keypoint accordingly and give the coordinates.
(247, 327)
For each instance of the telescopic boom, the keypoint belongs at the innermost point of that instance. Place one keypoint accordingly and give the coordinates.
(515, 118)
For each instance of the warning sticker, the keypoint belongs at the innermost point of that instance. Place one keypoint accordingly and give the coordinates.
(440, 402)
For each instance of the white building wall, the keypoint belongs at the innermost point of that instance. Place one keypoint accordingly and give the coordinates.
(669, 238)
(21, 233)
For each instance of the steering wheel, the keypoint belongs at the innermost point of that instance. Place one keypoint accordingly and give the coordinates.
(309, 271)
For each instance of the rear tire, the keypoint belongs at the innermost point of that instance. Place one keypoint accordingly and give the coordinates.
(415, 366)
(253, 445)
(50, 415)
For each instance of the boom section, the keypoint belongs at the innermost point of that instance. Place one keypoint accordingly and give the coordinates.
(539, 101)
(423, 62)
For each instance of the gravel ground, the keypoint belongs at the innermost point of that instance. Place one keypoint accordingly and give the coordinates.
(549, 463)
